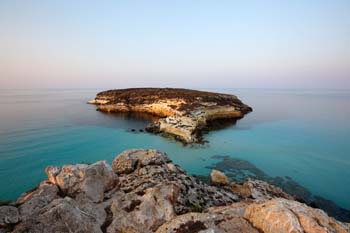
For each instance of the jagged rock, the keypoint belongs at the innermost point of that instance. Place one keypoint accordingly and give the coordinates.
(144, 212)
(218, 178)
(228, 219)
(31, 202)
(8, 215)
(82, 179)
(185, 113)
(193, 193)
(281, 215)
(155, 196)
(61, 215)
(258, 189)
(128, 160)
(52, 172)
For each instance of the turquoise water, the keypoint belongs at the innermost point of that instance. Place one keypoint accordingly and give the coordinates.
(302, 134)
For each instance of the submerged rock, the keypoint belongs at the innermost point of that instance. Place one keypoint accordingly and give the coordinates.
(151, 194)
(185, 113)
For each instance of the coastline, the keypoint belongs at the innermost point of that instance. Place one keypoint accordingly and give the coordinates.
(146, 186)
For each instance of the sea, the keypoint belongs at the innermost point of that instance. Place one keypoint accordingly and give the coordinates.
(296, 138)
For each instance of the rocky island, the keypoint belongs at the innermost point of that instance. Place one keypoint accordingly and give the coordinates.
(183, 113)
(144, 191)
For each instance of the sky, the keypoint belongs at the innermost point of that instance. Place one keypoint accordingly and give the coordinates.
(182, 43)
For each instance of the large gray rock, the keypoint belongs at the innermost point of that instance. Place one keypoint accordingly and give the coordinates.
(62, 215)
(82, 179)
(282, 215)
(31, 202)
(144, 212)
(8, 215)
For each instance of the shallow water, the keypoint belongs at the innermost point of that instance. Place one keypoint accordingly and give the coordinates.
(302, 134)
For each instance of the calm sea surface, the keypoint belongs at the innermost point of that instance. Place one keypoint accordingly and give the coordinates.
(300, 134)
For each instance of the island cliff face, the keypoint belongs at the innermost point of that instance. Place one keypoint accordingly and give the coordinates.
(143, 191)
(183, 113)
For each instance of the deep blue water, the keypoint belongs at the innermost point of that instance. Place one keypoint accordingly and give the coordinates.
(302, 134)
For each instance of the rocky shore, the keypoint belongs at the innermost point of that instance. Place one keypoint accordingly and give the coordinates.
(184, 114)
(143, 191)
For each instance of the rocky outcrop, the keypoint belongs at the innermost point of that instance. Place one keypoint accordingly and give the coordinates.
(274, 216)
(143, 191)
(227, 219)
(281, 215)
(151, 167)
(90, 181)
(184, 113)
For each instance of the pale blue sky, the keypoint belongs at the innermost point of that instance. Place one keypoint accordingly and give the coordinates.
(253, 44)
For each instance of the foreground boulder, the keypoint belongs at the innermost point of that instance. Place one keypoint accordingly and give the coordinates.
(183, 113)
(32, 202)
(150, 168)
(281, 215)
(83, 179)
(61, 215)
(144, 212)
(143, 191)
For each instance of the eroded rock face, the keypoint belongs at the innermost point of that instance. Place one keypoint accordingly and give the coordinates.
(88, 180)
(185, 113)
(281, 215)
(144, 212)
(153, 167)
(8, 215)
(31, 202)
(61, 215)
(227, 219)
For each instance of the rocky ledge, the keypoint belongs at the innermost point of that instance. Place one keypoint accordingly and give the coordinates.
(143, 191)
(183, 113)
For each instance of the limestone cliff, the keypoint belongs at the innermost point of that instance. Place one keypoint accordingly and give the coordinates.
(143, 191)
(184, 113)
